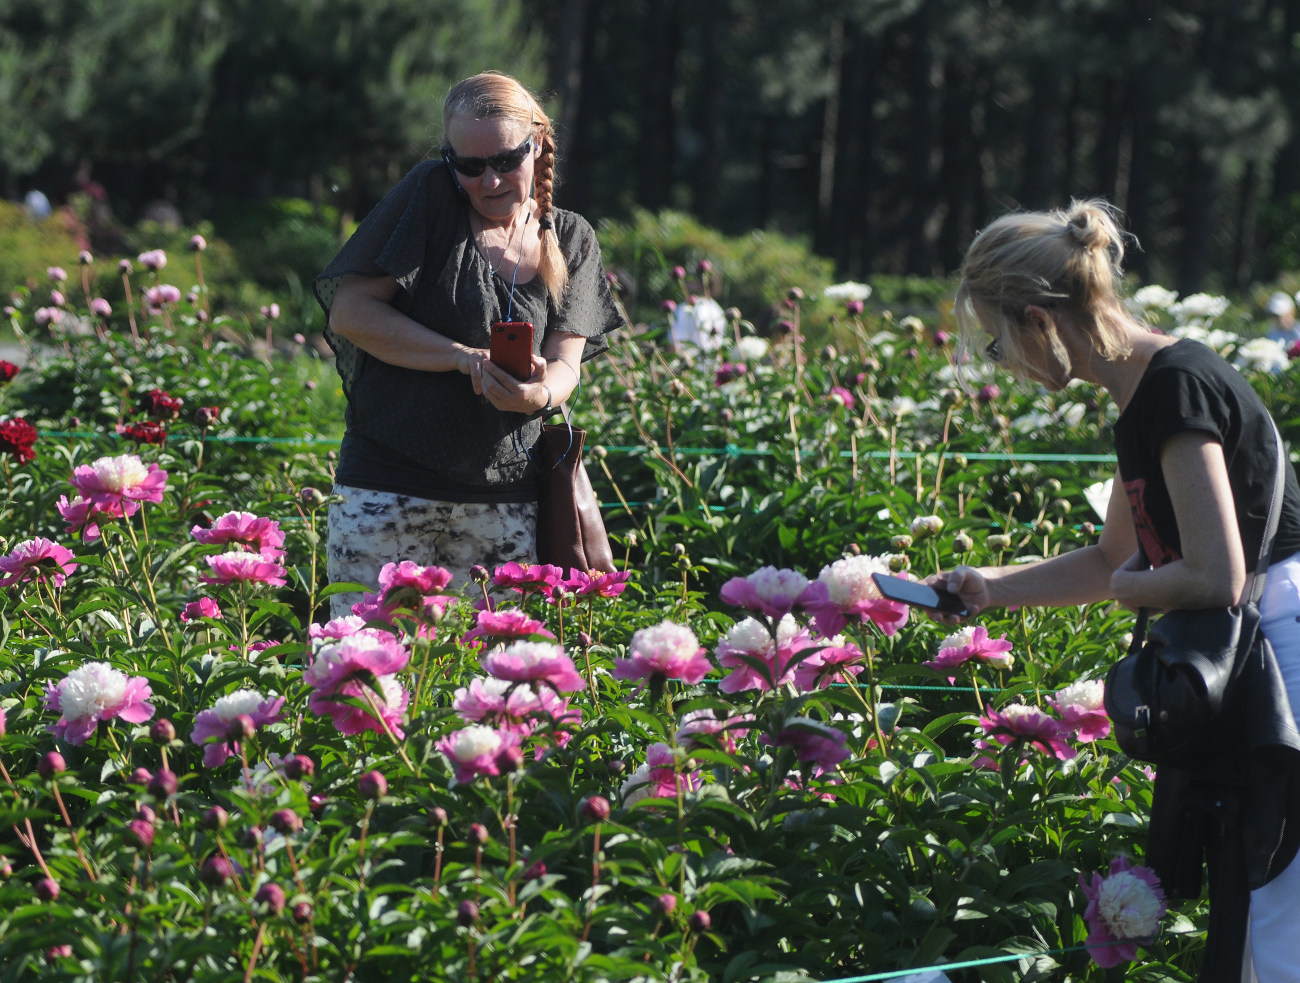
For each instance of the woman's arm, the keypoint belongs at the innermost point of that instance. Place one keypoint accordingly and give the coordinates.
(1212, 570)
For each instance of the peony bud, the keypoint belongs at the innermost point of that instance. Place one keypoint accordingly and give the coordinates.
(163, 784)
(467, 913)
(700, 921)
(595, 809)
(285, 821)
(438, 816)
(140, 776)
(140, 833)
(302, 912)
(961, 543)
(312, 498)
(145, 812)
(477, 834)
(51, 764)
(161, 731)
(216, 871)
(533, 871)
(298, 766)
(270, 898)
(47, 889)
(215, 818)
(666, 904)
(372, 785)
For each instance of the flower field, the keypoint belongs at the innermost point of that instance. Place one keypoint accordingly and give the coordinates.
(732, 760)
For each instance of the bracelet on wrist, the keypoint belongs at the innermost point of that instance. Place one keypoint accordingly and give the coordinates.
(548, 409)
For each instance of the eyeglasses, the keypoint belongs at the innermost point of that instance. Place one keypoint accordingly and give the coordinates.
(992, 352)
(502, 163)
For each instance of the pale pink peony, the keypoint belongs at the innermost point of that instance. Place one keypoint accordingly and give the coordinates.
(1018, 722)
(352, 680)
(204, 607)
(474, 750)
(240, 566)
(118, 485)
(156, 298)
(839, 659)
(772, 591)
(422, 580)
(1082, 709)
(972, 642)
(666, 651)
(819, 745)
(534, 662)
(1124, 909)
(152, 259)
(39, 559)
(502, 626)
(658, 777)
(95, 692)
(342, 627)
(212, 726)
(358, 655)
(513, 706)
(755, 661)
(243, 529)
(845, 590)
(724, 732)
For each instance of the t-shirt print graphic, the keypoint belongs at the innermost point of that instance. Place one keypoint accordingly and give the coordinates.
(1157, 553)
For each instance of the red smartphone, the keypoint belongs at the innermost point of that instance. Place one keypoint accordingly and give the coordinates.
(512, 347)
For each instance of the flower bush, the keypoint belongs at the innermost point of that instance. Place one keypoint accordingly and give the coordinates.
(731, 759)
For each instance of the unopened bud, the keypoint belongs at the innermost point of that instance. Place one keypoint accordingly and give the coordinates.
(51, 764)
(162, 731)
(372, 785)
(595, 809)
(467, 913)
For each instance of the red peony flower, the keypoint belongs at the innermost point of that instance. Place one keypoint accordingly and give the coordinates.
(7, 371)
(17, 437)
(160, 405)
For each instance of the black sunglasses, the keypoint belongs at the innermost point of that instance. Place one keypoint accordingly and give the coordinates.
(992, 352)
(502, 163)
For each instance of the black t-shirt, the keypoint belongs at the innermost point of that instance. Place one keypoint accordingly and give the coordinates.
(1189, 387)
(426, 433)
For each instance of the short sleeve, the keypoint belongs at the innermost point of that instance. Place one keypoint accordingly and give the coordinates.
(588, 307)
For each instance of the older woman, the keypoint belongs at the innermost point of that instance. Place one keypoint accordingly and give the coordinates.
(1197, 459)
(436, 463)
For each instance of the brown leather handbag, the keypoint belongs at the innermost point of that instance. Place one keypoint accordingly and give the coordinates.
(570, 530)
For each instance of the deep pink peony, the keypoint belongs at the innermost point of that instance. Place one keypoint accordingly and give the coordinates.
(204, 607)
(118, 485)
(349, 624)
(829, 665)
(474, 750)
(1124, 909)
(240, 566)
(814, 743)
(594, 583)
(352, 680)
(422, 580)
(95, 692)
(544, 662)
(212, 726)
(971, 642)
(658, 777)
(38, 559)
(1082, 709)
(772, 591)
(243, 529)
(755, 661)
(539, 577)
(503, 625)
(845, 590)
(80, 517)
(1018, 722)
(666, 651)
(839, 396)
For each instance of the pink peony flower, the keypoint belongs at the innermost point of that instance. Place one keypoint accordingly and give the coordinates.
(828, 665)
(534, 662)
(502, 626)
(845, 590)
(422, 580)
(79, 516)
(839, 396)
(596, 584)
(1082, 709)
(342, 668)
(666, 651)
(153, 259)
(658, 777)
(772, 591)
(100, 307)
(755, 661)
(1018, 722)
(243, 530)
(212, 727)
(156, 298)
(513, 706)
(38, 559)
(349, 624)
(729, 372)
(704, 723)
(1124, 908)
(539, 577)
(118, 485)
(972, 642)
(204, 607)
(95, 692)
(815, 743)
(241, 567)
(474, 750)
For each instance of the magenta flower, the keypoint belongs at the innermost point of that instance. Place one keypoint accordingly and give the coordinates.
(353, 681)
(95, 692)
(839, 396)
(244, 530)
(845, 590)
(1018, 722)
(593, 583)
(972, 642)
(666, 651)
(422, 580)
(397, 583)
(156, 298)
(212, 727)
(241, 567)
(474, 750)
(204, 607)
(728, 372)
(772, 591)
(659, 777)
(502, 626)
(38, 559)
(543, 662)
(755, 660)
(1124, 909)
(819, 745)
(117, 486)
(80, 517)
(704, 723)
(1082, 709)
(349, 624)
(100, 307)
(539, 577)
(828, 665)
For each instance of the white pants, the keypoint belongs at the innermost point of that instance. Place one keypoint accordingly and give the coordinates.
(1273, 949)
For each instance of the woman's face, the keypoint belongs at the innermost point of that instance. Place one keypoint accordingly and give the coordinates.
(497, 196)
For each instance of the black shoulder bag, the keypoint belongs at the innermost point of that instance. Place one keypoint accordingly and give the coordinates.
(1167, 697)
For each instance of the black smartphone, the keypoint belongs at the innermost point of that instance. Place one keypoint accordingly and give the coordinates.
(511, 347)
(919, 595)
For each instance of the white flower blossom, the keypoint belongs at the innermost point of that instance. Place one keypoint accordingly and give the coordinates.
(751, 349)
(1151, 296)
(849, 290)
(1086, 693)
(89, 690)
(848, 581)
(1128, 906)
(237, 704)
(1262, 355)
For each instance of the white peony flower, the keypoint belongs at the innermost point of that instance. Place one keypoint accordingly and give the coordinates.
(1086, 693)
(1130, 909)
(848, 290)
(1262, 355)
(848, 581)
(90, 690)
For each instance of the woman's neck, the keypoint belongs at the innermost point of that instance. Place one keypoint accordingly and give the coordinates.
(1121, 376)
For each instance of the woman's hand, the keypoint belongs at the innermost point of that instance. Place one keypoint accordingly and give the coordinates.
(509, 394)
(968, 584)
(470, 362)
